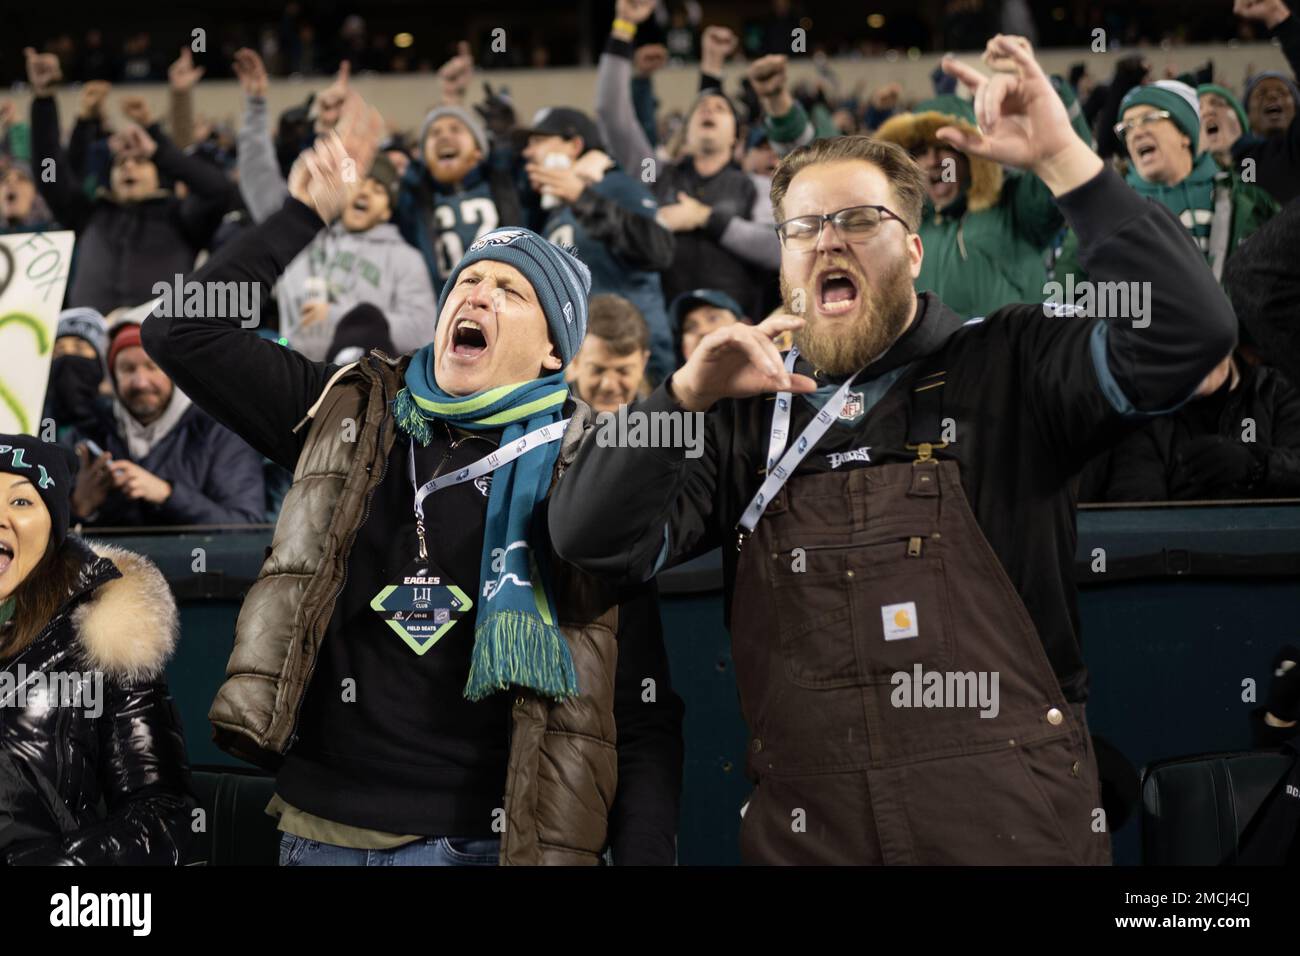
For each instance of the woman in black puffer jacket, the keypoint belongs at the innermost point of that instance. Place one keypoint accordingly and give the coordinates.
(92, 760)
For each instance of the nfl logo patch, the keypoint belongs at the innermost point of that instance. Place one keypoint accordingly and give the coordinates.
(852, 409)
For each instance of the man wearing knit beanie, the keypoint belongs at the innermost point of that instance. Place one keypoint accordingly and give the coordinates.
(78, 369)
(1223, 122)
(453, 194)
(1270, 150)
(1160, 127)
(412, 557)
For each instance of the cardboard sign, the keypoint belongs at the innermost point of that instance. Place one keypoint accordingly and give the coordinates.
(34, 269)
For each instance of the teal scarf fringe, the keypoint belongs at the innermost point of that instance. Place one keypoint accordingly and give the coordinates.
(516, 642)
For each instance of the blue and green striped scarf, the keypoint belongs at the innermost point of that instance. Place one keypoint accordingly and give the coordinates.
(517, 639)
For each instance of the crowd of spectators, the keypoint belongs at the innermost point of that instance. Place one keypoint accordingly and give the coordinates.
(666, 203)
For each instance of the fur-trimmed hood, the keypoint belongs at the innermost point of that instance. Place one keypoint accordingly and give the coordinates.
(910, 130)
(128, 626)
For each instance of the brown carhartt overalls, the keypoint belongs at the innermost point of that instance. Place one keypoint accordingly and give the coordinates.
(843, 775)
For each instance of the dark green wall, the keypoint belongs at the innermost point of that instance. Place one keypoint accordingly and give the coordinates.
(1193, 602)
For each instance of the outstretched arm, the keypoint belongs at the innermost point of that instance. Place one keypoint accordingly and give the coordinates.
(255, 387)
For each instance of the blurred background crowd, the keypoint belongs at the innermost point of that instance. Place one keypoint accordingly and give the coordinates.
(665, 200)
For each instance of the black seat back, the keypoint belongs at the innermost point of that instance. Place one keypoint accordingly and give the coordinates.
(1195, 809)
(238, 831)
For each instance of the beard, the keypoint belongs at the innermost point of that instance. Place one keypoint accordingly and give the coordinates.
(845, 344)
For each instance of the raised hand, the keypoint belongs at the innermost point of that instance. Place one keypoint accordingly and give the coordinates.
(43, 71)
(327, 175)
(93, 96)
(738, 361)
(251, 71)
(1268, 12)
(136, 109)
(716, 45)
(132, 141)
(767, 77)
(649, 57)
(1021, 120)
(636, 11)
(329, 103)
(456, 73)
(183, 74)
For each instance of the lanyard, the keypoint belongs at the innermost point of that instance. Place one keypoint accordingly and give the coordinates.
(782, 463)
(488, 463)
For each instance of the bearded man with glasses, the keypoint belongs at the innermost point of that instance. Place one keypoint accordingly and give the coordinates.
(892, 499)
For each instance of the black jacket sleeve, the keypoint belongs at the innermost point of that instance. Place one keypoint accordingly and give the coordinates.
(643, 819)
(1288, 34)
(1281, 458)
(1137, 469)
(1155, 360)
(258, 389)
(1128, 74)
(664, 511)
(639, 241)
(63, 194)
(85, 132)
(209, 192)
(1263, 282)
(145, 780)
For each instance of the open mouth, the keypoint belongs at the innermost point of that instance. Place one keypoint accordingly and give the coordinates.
(1273, 110)
(361, 204)
(447, 154)
(1211, 128)
(468, 339)
(1145, 151)
(6, 556)
(837, 293)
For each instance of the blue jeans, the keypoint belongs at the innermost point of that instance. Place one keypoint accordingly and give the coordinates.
(429, 851)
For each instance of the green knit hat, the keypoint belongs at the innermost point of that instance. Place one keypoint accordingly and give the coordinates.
(1178, 98)
(1235, 103)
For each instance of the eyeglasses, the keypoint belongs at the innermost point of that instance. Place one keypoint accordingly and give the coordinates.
(1122, 129)
(854, 224)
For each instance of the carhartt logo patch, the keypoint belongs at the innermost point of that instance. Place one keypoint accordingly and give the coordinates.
(899, 621)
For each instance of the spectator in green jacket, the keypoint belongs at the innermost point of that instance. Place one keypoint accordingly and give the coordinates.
(1223, 122)
(986, 233)
(1160, 126)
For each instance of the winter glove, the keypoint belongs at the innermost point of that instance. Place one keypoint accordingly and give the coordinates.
(497, 111)
(1213, 466)
(1284, 694)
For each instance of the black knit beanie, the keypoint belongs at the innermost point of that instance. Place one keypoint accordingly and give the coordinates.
(50, 468)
